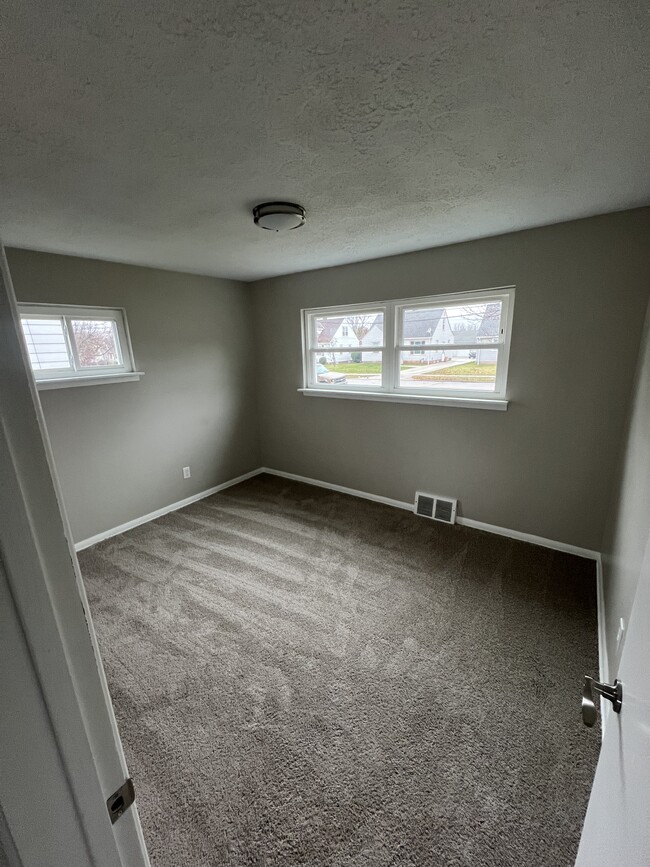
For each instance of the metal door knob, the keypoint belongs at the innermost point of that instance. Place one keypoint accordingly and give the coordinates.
(593, 688)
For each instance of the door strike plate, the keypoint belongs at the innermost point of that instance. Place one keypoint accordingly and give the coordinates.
(120, 801)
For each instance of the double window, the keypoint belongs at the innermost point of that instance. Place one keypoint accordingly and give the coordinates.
(443, 346)
(69, 344)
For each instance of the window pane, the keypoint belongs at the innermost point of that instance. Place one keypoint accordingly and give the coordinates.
(453, 369)
(46, 343)
(452, 323)
(356, 329)
(97, 342)
(347, 368)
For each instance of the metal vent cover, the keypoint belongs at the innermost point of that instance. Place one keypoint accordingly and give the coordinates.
(437, 508)
(425, 505)
(444, 511)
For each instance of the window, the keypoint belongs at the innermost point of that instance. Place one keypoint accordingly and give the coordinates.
(444, 348)
(76, 345)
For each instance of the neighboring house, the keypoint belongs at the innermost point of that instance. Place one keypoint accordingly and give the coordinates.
(340, 332)
(328, 332)
(488, 332)
(427, 326)
(421, 327)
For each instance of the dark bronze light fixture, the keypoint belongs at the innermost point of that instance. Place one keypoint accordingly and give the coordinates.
(279, 216)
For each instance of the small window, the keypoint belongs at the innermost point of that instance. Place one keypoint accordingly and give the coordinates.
(67, 344)
(450, 346)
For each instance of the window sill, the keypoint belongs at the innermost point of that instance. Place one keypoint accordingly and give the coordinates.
(424, 399)
(75, 381)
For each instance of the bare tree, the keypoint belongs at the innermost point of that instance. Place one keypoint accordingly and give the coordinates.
(491, 312)
(361, 325)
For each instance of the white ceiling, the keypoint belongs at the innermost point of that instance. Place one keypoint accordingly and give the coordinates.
(145, 132)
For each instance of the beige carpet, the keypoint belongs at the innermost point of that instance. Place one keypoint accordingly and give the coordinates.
(305, 678)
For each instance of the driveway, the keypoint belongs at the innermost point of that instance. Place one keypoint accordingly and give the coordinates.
(431, 368)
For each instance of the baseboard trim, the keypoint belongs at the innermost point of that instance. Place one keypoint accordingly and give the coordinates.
(377, 498)
(144, 519)
(398, 504)
(466, 522)
(529, 537)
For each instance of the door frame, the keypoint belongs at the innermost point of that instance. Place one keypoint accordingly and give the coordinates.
(45, 585)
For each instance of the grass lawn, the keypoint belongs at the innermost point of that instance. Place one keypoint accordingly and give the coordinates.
(470, 372)
(360, 367)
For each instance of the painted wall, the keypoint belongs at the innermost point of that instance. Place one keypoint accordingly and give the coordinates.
(8, 854)
(546, 466)
(119, 449)
(628, 527)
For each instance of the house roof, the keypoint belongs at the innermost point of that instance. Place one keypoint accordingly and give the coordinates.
(418, 322)
(489, 326)
(377, 322)
(331, 326)
(329, 329)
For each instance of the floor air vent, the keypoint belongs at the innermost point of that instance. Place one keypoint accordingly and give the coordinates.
(437, 508)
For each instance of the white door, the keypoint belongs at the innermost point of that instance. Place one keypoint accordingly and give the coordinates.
(61, 752)
(616, 832)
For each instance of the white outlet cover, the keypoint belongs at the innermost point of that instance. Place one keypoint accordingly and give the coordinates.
(186, 472)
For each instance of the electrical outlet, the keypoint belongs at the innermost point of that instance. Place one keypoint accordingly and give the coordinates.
(620, 633)
(186, 472)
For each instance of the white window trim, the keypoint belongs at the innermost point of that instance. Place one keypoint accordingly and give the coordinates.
(385, 397)
(390, 390)
(124, 372)
(75, 381)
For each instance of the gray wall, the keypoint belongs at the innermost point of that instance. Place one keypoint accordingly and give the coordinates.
(119, 449)
(628, 528)
(546, 466)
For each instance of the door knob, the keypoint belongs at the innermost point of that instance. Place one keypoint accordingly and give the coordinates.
(591, 689)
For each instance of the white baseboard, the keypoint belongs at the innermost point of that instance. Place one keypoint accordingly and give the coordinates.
(398, 504)
(529, 537)
(144, 519)
(466, 522)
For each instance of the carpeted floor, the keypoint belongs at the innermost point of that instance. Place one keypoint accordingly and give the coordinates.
(306, 678)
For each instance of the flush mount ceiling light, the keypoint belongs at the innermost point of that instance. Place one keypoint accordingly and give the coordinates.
(278, 216)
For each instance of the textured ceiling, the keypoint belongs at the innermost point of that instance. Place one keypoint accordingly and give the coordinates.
(145, 132)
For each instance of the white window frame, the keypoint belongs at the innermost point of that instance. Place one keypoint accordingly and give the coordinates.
(123, 372)
(394, 344)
